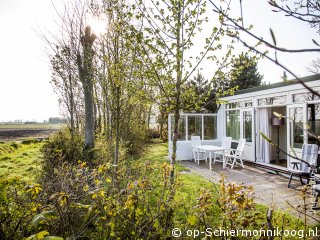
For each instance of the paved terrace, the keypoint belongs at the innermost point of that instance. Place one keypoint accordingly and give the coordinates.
(270, 189)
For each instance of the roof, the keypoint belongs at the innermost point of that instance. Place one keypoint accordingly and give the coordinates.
(278, 84)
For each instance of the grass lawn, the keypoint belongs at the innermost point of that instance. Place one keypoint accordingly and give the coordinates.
(19, 159)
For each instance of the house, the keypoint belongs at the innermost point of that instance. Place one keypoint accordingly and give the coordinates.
(251, 111)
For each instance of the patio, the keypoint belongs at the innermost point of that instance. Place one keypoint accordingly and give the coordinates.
(270, 189)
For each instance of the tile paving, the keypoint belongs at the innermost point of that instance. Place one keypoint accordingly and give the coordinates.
(270, 189)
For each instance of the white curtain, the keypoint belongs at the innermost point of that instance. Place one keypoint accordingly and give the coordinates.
(263, 120)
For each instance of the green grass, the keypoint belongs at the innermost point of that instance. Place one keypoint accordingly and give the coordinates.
(18, 159)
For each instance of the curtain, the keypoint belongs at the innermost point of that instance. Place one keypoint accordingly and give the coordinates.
(263, 120)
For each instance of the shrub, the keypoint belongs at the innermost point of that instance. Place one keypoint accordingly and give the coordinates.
(153, 133)
(16, 209)
(61, 148)
(134, 140)
(30, 141)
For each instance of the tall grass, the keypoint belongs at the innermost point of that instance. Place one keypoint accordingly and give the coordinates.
(20, 159)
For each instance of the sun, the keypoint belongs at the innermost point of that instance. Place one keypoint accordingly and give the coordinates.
(98, 26)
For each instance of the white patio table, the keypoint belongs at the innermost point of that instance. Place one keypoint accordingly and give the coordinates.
(210, 149)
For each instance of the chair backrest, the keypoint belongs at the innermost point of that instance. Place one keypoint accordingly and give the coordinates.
(226, 142)
(195, 141)
(240, 147)
(310, 154)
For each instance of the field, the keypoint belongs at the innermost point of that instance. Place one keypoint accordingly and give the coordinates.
(20, 148)
(20, 132)
(20, 159)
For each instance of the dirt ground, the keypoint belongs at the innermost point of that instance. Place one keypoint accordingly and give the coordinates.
(19, 133)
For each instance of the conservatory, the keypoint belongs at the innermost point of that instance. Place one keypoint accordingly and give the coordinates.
(207, 126)
(251, 111)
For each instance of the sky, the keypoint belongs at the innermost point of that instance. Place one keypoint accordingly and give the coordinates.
(25, 89)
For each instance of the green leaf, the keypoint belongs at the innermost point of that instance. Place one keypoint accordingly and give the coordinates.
(278, 115)
(42, 234)
(192, 220)
(38, 219)
(265, 137)
(53, 238)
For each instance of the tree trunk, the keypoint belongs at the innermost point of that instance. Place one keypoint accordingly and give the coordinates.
(72, 125)
(179, 59)
(86, 78)
(116, 157)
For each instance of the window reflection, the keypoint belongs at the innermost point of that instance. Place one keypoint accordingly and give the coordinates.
(314, 123)
(194, 126)
(210, 127)
(296, 127)
(247, 126)
(279, 100)
(233, 124)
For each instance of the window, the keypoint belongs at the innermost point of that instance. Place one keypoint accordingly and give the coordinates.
(233, 124)
(279, 100)
(314, 123)
(296, 127)
(210, 127)
(194, 126)
(234, 105)
(304, 97)
(203, 125)
(248, 104)
(181, 128)
(247, 125)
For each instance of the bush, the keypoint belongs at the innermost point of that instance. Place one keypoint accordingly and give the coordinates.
(153, 133)
(134, 140)
(61, 148)
(16, 209)
(30, 141)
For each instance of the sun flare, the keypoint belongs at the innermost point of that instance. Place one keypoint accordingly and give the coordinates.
(97, 25)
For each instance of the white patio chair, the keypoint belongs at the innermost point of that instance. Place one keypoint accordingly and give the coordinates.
(310, 155)
(226, 143)
(235, 155)
(197, 153)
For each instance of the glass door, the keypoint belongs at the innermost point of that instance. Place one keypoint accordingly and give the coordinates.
(247, 132)
(247, 125)
(296, 130)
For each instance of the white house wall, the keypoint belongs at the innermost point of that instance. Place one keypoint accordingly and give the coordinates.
(250, 149)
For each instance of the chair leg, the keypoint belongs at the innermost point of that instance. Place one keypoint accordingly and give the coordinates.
(300, 177)
(241, 162)
(224, 162)
(233, 162)
(291, 175)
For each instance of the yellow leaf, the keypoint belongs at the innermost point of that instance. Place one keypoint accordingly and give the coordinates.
(42, 234)
(192, 220)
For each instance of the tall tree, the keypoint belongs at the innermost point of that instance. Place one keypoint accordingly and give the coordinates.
(168, 38)
(84, 61)
(200, 92)
(244, 73)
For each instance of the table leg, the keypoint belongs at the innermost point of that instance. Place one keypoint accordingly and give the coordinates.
(210, 161)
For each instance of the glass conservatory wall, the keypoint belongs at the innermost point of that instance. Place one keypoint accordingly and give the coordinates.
(203, 125)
